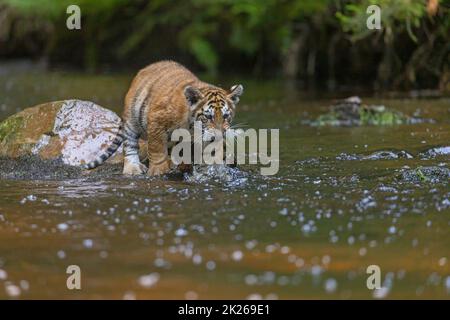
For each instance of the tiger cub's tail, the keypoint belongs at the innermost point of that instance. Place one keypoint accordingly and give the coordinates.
(118, 140)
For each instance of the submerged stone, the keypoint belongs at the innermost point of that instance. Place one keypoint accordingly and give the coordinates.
(431, 174)
(388, 155)
(377, 155)
(436, 152)
(216, 172)
(73, 131)
(35, 168)
(351, 112)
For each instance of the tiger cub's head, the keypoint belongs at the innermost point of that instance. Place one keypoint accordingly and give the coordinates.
(214, 107)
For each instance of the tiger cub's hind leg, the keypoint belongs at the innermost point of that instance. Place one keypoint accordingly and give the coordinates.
(132, 165)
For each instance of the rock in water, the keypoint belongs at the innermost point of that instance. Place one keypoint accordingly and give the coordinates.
(217, 173)
(436, 152)
(431, 174)
(352, 112)
(73, 131)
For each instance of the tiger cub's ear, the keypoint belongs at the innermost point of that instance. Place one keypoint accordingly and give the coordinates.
(235, 92)
(192, 95)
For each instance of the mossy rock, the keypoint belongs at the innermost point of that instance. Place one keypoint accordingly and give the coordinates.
(351, 112)
(73, 131)
(22, 131)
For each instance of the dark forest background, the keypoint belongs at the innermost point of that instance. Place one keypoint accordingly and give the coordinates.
(319, 42)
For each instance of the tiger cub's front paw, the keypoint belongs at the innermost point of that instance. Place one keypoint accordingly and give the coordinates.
(131, 168)
(159, 169)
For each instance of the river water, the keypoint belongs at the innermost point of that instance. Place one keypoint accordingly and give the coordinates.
(336, 206)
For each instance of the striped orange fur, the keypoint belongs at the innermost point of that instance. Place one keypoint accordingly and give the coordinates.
(163, 97)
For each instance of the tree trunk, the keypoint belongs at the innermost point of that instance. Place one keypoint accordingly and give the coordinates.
(331, 82)
(386, 65)
(292, 54)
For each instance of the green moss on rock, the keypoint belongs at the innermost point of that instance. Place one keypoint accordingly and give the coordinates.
(350, 112)
(21, 132)
(380, 116)
(9, 128)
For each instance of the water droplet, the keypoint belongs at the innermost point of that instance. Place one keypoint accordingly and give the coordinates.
(197, 259)
(330, 285)
(351, 240)
(381, 293)
(316, 271)
(306, 228)
(149, 280)
(31, 197)
(160, 263)
(271, 296)
(62, 226)
(24, 285)
(129, 295)
(181, 232)
(254, 296)
(334, 239)
(447, 284)
(251, 279)
(210, 265)
(237, 255)
(12, 290)
(191, 295)
(285, 250)
(362, 252)
(251, 244)
(88, 243)
(61, 254)
(299, 263)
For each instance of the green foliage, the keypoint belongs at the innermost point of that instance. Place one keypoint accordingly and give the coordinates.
(420, 175)
(249, 24)
(293, 36)
(56, 8)
(204, 52)
(396, 15)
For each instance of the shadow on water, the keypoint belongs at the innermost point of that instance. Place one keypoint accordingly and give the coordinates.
(340, 202)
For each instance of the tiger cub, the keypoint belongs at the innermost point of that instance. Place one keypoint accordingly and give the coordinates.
(163, 97)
